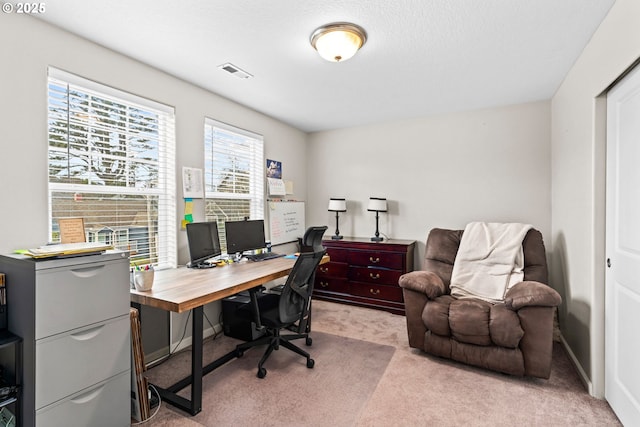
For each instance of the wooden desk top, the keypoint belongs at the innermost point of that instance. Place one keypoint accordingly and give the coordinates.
(181, 289)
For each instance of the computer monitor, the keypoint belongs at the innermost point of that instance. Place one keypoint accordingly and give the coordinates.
(244, 235)
(204, 242)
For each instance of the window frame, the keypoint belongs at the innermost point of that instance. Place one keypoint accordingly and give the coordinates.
(163, 187)
(256, 193)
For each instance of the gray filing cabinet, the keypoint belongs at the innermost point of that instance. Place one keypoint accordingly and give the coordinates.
(73, 316)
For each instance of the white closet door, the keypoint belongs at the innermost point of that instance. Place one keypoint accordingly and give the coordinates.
(622, 316)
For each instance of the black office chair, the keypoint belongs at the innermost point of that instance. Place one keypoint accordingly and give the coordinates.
(289, 311)
(312, 239)
(312, 242)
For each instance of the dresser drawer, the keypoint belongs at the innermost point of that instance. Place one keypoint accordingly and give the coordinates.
(329, 284)
(337, 255)
(365, 272)
(332, 269)
(387, 293)
(78, 359)
(374, 275)
(376, 259)
(107, 404)
(68, 298)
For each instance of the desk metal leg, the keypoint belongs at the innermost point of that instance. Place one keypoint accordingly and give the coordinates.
(169, 395)
(196, 360)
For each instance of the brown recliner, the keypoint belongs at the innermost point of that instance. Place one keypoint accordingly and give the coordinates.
(514, 336)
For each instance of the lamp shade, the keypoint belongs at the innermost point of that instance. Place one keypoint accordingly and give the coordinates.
(377, 204)
(338, 41)
(337, 205)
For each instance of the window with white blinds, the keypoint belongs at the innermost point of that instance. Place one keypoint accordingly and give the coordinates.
(112, 163)
(234, 174)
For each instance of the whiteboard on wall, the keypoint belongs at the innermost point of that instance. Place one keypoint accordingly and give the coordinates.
(286, 221)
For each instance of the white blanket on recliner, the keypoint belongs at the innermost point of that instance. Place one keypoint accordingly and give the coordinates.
(489, 261)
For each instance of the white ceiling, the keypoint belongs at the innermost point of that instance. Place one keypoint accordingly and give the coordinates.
(422, 56)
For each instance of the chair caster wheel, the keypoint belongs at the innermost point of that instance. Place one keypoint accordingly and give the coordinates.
(310, 363)
(239, 353)
(262, 373)
(308, 341)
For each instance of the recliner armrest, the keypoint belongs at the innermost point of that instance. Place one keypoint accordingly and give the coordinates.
(531, 293)
(426, 282)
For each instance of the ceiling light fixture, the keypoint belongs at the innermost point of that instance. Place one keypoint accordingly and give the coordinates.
(338, 41)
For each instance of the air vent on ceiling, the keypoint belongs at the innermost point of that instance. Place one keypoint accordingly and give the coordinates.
(236, 71)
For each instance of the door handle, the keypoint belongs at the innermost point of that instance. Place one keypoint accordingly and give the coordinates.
(609, 262)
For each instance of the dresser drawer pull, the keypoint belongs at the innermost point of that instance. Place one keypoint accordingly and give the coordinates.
(374, 276)
(324, 269)
(324, 284)
(374, 291)
(374, 260)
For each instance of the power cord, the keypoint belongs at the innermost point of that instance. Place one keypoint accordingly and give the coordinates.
(215, 332)
(157, 408)
(184, 334)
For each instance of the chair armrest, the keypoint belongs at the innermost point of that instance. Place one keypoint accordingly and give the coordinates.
(426, 282)
(531, 293)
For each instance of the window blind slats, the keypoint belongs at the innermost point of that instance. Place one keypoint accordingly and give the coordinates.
(111, 162)
(234, 175)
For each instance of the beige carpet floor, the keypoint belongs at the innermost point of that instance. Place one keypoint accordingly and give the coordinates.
(409, 388)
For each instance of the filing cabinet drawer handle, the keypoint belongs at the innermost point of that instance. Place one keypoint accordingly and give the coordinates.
(374, 260)
(324, 269)
(374, 276)
(87, 271)
(324, 284)
(374, 291)
(88, 334)
(89, 396)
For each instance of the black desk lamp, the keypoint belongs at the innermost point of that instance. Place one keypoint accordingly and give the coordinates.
(377, 204)
(337, 205)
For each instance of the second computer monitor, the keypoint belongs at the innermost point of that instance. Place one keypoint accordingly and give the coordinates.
(244, 235)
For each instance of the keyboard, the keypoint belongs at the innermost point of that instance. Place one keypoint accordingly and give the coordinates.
(264, 256)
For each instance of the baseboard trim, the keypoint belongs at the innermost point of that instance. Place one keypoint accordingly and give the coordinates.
(581, 373)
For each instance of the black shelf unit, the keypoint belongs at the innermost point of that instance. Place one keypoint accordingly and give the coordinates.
(11, 362)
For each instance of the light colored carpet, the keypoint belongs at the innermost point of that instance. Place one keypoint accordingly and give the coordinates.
(411, 389)
(344, 377)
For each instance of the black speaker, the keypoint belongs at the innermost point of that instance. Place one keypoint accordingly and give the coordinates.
(236, 317)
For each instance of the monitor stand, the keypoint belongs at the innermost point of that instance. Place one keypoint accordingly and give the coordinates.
(202, 265)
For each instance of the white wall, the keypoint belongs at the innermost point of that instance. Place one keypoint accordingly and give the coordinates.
(29, 47)
(578, 177)
(438, 171)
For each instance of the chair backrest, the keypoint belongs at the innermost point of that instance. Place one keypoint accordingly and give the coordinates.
(312, 239)
(296, 293)
(442, 248)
